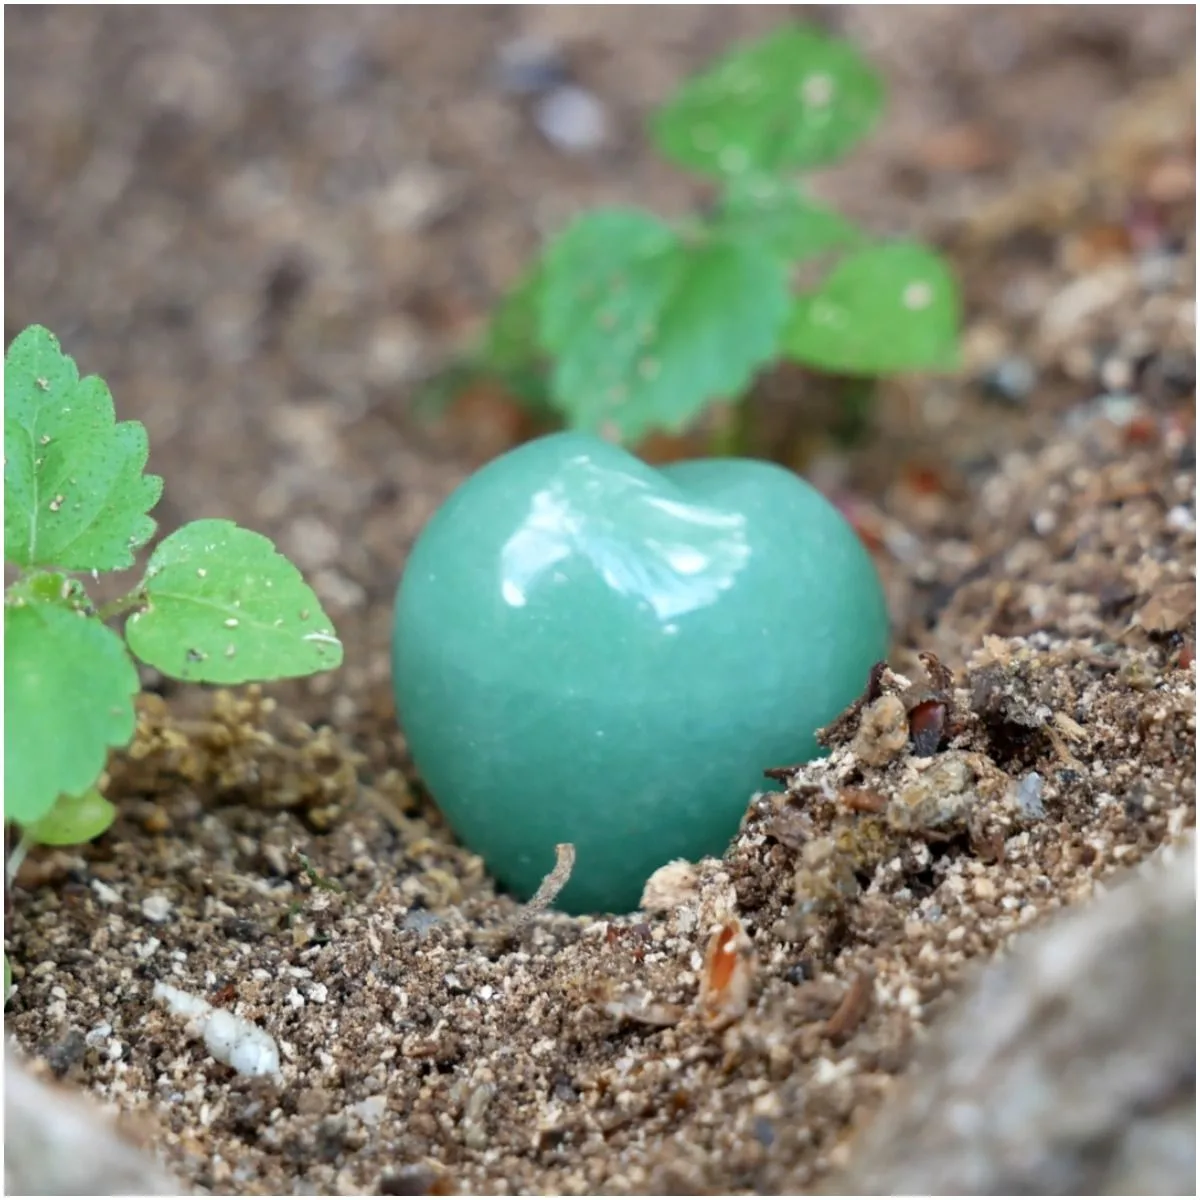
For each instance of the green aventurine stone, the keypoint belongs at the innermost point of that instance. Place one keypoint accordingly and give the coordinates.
(590, 650)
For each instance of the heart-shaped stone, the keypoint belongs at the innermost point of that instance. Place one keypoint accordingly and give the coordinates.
(590, 650)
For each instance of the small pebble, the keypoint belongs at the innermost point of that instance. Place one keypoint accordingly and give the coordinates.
(371, 1110)
(230, 1039)
(1011, 380)
(156, 820)
(1116, 374)
(1120, 409)
(529, 67)
(415, 198)
(1181, 518)
(572, 119)
(99, 1036)
(1029, 796)
(419, 921)
(395, 352)
(156, 907)
(1159, 271)
(241, 1045)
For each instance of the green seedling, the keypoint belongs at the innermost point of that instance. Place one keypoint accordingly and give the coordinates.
(320, 882)
(215, 604)
(627, 323)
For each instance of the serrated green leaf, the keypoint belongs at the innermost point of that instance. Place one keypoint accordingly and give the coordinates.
(74, 492)
(223, 606)
(647, 328)
(883, 309)
(796, 99)
(68, 696)
(777, 213)
(73, 820)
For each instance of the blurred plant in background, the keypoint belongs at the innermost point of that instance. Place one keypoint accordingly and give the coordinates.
(627, 325)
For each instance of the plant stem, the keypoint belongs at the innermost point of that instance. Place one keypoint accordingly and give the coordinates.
(16, 859)
(730, 437)
(122, 605)
(857, 408)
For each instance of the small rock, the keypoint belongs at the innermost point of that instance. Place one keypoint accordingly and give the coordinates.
(475, 1135)
(670, 887)
(156, 820)
(1182, 519)
(395, 354)
(882, 732)
(1116, 374)
(572, 120)
(1011, 380)
(62, 1056)
(419, 921)
(941, 796)
(984, 889)
(230, 1039)
(370, 1111)
(1160, 271)
(414, 199)
(241, 1045)
(156, 907)
(97, 1037)
(1029, 796)
(529, 67)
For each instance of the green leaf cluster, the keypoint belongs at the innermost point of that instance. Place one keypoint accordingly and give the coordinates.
(216, 603)
(627, 323)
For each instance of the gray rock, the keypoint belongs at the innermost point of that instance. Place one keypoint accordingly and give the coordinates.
(1069, 1070)
(1010, 381)
(572, 119)
(60, 1144)
(529, 66)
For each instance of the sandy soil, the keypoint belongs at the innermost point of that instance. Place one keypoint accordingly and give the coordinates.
(266, 229)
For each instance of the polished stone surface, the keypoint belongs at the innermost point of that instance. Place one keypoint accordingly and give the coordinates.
(590, 650)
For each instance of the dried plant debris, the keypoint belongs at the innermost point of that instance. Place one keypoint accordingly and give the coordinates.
(557, 879)
(730, 965)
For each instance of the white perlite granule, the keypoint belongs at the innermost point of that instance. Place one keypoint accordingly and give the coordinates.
(230, 1039)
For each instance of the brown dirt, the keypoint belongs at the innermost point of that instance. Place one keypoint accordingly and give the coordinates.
(265, 228)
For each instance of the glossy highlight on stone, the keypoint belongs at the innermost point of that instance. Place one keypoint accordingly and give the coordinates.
(591, 650)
